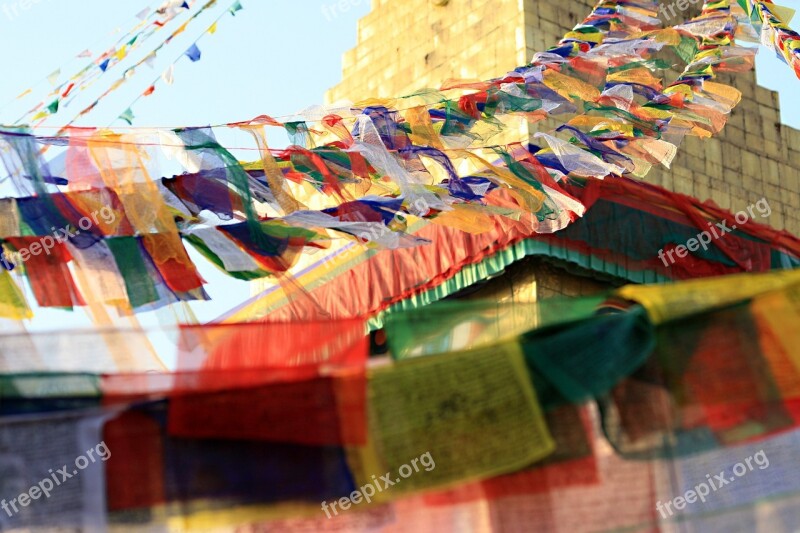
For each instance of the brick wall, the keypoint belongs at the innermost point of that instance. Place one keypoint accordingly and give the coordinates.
(405, 45)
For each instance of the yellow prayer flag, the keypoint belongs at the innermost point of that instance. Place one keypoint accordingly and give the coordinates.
(471, 414)
(12, 301)
(671, 301)
(785, 14)
(779, 312)
(569, 87)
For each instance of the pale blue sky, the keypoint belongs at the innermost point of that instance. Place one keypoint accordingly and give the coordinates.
(274, 57)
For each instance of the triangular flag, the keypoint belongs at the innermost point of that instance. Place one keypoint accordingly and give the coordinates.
(141, 15)
(149, 90)
(193, 53)
(122, 52)
(85, 53)
(237, 6)
(104, 65)
(179, 30)
(185, 5)
(14, 305)
(167, 76)
(149, 59)
(53, 77)
(23, 93)
(786, 14)
(53, 107)
(127, 116)
(212, 29)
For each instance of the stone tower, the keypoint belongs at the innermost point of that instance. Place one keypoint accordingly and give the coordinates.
(406, 45)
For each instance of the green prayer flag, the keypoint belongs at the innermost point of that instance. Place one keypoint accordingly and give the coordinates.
(138, 282)
(127, 116)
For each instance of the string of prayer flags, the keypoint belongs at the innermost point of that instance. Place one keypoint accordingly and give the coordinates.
(127, 43)
(114, 56)
(467, 431)
(623, 234)
(367, 177)
(772, 20)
